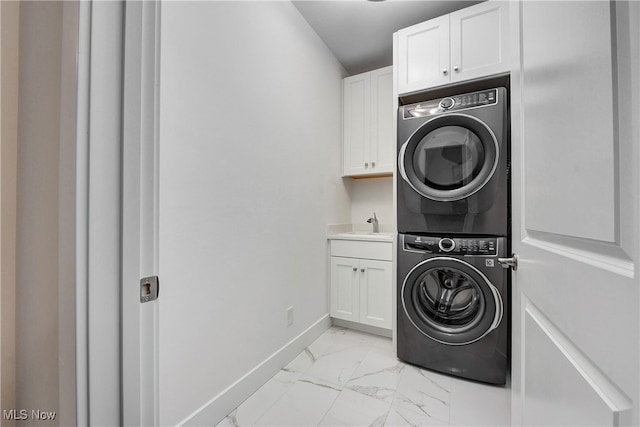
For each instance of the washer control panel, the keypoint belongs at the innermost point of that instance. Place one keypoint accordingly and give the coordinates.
(487, 246)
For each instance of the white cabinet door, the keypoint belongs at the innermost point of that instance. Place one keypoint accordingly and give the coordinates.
(479, 41)
(375, 293)
(344, 288)
(367, 137)
(382, 116)
(423, 55)
(356, 123)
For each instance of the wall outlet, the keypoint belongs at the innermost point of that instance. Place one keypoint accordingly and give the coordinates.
(289, 316)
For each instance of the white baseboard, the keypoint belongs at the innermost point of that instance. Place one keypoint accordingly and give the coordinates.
(363, 328)
(218, 407)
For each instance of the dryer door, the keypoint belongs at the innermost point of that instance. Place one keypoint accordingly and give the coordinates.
(449, 157)
(451, 301)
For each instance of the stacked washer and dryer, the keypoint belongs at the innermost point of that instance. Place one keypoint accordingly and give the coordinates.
(453, 212)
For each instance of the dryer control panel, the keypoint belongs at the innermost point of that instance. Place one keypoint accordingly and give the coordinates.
(486, 246)
(453, 103)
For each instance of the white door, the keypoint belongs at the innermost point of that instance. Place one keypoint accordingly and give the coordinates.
(575, 213)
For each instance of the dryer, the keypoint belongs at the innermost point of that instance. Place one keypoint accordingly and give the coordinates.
(453, 164)
(452, 312)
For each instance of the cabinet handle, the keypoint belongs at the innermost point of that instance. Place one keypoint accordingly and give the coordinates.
(355, 268)
(455, 68)
(445, 71)
(373, 164)
(362, 270)
(366, 165)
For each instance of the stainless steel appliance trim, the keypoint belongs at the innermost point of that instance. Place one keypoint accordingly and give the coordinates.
(496, 296)
(403, 150)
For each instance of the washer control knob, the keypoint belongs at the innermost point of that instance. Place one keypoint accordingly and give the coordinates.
(446, 244)
(447, 103)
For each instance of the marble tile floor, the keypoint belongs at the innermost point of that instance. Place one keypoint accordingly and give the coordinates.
(350, 378)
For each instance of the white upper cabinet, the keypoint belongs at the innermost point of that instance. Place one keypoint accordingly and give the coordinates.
(356, 123)
(383, 137)
(423, 55)
(479, 41)
(367, 136)
(464, 45)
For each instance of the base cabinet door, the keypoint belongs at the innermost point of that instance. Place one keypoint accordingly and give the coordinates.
(361, 291)
(344, 289)
(375, 293)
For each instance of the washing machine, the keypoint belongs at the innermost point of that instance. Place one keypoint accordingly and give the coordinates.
(453, 164)
(453, 305)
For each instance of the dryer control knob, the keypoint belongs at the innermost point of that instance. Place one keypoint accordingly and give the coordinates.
(446, 244)
(447, 103)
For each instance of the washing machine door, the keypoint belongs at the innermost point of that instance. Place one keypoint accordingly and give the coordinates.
(451, 301)
(450, 157)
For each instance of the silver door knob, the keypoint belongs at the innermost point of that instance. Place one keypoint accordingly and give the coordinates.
(455, 68)
(362, 270)
(509, 262)
(445, 71)
(355, 268)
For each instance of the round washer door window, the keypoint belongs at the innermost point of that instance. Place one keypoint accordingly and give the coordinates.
(449, 158)
(450, 301)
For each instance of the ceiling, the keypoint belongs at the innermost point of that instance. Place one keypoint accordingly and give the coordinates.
(359, 32)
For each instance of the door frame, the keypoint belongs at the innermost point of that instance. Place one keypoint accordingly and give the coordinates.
(98, 224)
(113, 116)
(140, 212)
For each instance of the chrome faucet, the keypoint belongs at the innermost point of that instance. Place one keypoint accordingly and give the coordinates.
(374, 221)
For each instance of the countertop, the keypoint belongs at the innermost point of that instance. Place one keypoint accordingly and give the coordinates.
(351, 232)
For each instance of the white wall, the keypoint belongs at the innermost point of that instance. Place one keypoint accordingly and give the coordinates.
(249, 179)
(372, 195)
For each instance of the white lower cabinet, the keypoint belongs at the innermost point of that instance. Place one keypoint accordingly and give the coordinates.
(361, 289)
